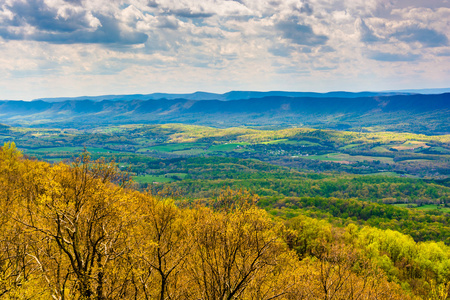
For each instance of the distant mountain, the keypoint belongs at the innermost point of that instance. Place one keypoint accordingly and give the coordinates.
(414, 113)
(154, 96)
(423, 91)
(233, 95)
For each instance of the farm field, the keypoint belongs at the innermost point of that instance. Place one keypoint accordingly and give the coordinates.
(300, 148)
(429, 207)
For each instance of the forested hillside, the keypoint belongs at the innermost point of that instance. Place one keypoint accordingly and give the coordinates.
(81, 231)
(427, 114)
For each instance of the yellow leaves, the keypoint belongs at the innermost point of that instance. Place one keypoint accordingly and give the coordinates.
(343, 274)
(439, 291)
(239, 253)
(85, 235)
(310, 235)
(9, 152)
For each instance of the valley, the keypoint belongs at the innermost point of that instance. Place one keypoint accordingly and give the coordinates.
(397, 154)
(372, 191)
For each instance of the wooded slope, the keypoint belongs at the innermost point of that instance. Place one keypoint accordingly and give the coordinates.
(81, 232)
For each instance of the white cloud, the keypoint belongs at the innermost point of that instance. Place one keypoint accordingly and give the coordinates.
(131, 45)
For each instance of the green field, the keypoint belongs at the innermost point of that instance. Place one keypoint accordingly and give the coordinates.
(346, 158)
(225, 147)
(175, 147)
(280, 141)
(427, 207)
(181, 175)
(151, 179)
(405, 205)
(440, 150)
(433, 207)
(411, 145)
(194, 151)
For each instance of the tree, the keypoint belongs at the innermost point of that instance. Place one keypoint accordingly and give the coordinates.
(161, 243)
(78, 221)
(237, 254)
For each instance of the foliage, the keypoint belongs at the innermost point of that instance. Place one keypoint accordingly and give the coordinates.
(80, 232)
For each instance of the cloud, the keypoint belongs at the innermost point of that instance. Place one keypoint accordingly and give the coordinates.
(427, 37)
(168, 23)
(247, 43)
(281, 50)
(189, 13)
(393, 57)
(152, 3)
(420, 3)
(444, 53)
(305, 8)
(365, 32)
(77, 2)
(300, 34)
(35, 20)
(42, 17)
(326, 49)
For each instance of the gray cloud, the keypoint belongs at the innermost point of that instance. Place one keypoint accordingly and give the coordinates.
(299, 33)
(444, 53)
(10, 35)
(152, 3)
(73, 28)
(392, 57)
(189, 13)
(281, 50)
(37, 14)
(425, 36)
(366, 33)
(165, 22)
(420, 3)
(108, 33)
(76, 2)
(305, 8)
(326, 49)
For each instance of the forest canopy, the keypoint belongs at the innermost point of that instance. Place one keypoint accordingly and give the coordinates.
(81, 231)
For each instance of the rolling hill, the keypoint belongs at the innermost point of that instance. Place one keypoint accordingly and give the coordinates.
(414, 113)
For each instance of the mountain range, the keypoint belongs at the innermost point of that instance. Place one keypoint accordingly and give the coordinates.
(239, 95)
(417, 113)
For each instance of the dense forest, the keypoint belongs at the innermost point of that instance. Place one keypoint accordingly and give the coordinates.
(204, 175)
(83, 231)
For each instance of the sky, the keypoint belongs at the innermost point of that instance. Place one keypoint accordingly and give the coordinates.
(56, 48)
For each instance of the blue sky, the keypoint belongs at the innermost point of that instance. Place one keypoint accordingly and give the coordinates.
(51, 48)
